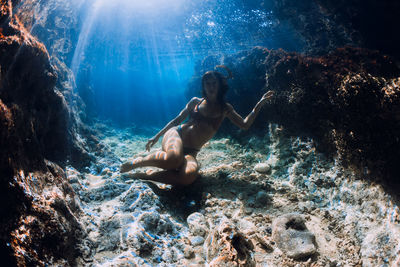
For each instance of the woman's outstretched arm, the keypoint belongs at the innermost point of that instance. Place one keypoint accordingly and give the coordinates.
(245, 123)
(176, 121)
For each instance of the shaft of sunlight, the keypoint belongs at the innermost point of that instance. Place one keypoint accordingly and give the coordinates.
(83, 39)
(147, 7)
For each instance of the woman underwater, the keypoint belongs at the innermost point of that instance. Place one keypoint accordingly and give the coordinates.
(182, 142)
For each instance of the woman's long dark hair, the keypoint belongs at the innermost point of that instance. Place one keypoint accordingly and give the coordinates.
(222, 81)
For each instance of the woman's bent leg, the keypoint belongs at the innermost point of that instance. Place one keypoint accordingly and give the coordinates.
(186, 175)
(169, 158)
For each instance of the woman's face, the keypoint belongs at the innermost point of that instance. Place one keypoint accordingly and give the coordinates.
(211, 87)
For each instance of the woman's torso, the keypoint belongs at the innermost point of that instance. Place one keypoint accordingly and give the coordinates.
(203, 123)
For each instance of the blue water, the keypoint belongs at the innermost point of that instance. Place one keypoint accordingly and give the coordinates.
(138, 56)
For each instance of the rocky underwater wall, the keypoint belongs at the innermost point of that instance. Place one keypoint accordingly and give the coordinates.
(38, 212)
(347, 101)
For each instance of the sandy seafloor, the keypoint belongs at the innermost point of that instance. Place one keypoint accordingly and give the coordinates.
(136, 223)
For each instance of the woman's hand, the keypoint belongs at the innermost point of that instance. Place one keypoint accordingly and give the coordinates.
(267, 96)
(151, 142)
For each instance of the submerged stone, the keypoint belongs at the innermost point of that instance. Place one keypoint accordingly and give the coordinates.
(262, 199)
(197, 224)
(292, 236)
(197, 241)
(188, 253)
(263, 168)
(106, 171)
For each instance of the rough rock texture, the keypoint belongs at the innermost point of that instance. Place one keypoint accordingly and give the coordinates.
(46, 229)
(226, 246)
(38, 207)
(347, 101)
(56, 23)
(292, 236)
(33, 89)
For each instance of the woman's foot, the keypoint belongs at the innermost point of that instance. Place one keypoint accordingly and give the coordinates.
(130, 165)
(150, 172)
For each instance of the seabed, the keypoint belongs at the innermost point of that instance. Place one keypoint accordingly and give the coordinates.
(137, 223)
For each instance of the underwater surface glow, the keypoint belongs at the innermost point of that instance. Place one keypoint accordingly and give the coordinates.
(143, 6)
(138, 56)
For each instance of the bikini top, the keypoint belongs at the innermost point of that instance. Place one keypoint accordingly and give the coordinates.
(195, 115)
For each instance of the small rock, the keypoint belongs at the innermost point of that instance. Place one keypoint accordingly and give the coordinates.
(263, 168)
(268, 230)
(73, 179)
(292, 237)
(197, 241)
(248, 211)
(306, 206)
(262, 199)
(251, 202)
(167, 256)
(105, 171)
(188, 253)
(197, 224)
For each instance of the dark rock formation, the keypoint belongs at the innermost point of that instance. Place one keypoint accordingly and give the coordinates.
(329, 24)
(38, 210)
(57, 25)
(348, 100)
(29, 81)
(40, 223)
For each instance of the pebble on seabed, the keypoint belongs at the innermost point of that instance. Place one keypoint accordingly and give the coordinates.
(263, 168)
